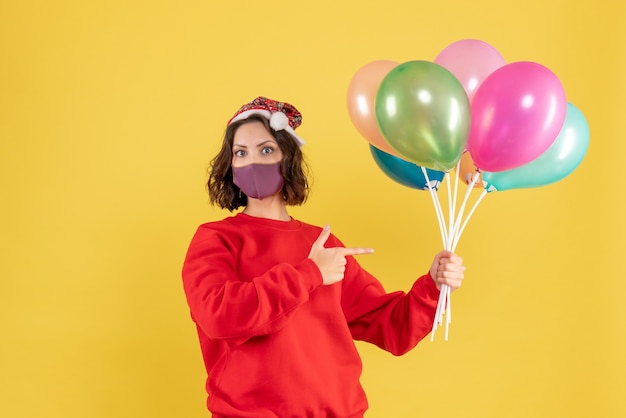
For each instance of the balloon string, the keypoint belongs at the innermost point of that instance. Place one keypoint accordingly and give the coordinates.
(452, 206)
(437, 205)
(456, 188)
(458, 235)
(470, 186)
(450, 210)
(445, 238)
(450, 237)
(443, 304)
(444, 294)
(448, 311)
(437, 320)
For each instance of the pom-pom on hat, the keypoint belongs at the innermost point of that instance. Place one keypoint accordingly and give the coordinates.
(282, 116)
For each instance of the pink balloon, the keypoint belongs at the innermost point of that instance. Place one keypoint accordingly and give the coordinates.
(471, 61)
(517, 113)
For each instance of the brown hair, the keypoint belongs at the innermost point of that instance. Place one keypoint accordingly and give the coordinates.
(225, 194)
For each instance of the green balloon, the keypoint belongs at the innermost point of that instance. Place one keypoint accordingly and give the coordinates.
(423, 113)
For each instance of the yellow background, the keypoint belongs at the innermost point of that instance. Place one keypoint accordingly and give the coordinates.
(111, 110)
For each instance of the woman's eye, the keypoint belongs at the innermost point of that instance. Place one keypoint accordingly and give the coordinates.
(267, 150)
(240, 153)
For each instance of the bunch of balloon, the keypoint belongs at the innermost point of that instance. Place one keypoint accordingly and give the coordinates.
(503, 125)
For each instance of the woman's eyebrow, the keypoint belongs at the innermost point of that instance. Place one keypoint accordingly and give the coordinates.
(259, 145)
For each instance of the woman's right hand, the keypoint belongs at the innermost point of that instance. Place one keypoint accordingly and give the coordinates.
(332, 261)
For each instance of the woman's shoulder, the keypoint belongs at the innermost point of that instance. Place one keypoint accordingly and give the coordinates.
(211, 227)
(219, 222)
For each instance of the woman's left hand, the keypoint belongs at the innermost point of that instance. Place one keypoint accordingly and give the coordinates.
(447, 268)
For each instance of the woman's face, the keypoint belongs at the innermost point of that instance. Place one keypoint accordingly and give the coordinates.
(253, 144)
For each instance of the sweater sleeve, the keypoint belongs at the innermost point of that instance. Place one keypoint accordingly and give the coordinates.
(396, 321)
(225, 307)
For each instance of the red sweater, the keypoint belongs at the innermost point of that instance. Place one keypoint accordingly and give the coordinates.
(278, 343)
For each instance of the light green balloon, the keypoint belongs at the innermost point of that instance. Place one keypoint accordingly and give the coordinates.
(424, 114)
(564, 155)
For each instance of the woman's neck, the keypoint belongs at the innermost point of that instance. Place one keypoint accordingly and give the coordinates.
(272, 207)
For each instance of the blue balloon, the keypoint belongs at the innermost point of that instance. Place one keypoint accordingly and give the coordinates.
(404, 172)
(564, 155)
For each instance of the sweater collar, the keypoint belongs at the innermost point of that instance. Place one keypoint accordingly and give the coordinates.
(290, 225)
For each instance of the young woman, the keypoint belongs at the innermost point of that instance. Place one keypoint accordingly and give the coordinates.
(277, 302)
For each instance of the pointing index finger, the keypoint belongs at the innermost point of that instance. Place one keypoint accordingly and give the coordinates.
(357, 251)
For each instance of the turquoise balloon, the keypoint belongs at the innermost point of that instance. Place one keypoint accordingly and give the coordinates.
(423, 113)
(557, 162)
(404, 172)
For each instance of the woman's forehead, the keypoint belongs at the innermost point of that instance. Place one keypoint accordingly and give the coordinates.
(253, 133)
